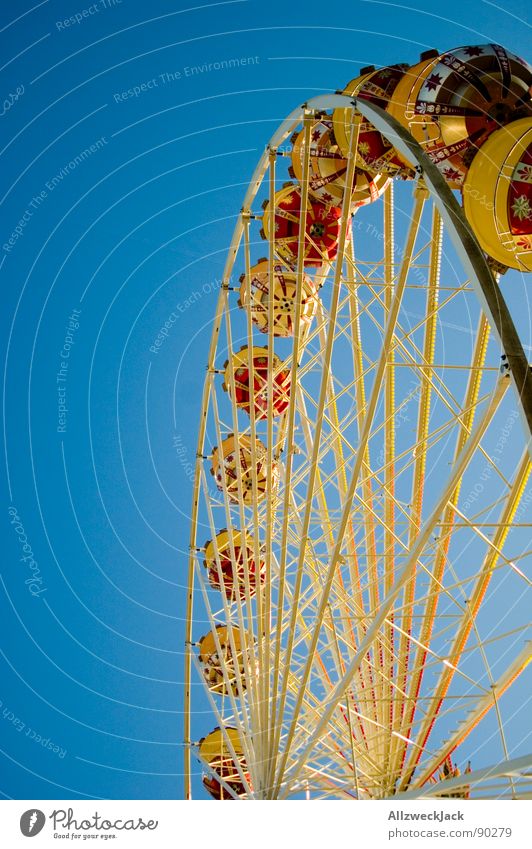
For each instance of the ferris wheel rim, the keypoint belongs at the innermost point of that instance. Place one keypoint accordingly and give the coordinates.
(481, 276)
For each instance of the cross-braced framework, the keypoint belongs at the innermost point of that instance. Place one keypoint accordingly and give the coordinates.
(363, 594)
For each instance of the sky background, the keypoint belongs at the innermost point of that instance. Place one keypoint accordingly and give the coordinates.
(91, 653)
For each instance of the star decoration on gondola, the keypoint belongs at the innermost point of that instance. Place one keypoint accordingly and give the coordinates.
(452, 174)
(433, 82)
(473, 51)
(521, 208)
(523, 173)
(316, 135)
(363, 148)
(326, 197)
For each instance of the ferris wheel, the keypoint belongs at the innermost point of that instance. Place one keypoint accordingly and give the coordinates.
(358, 602)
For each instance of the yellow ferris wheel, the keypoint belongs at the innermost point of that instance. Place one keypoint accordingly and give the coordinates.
(358, 600)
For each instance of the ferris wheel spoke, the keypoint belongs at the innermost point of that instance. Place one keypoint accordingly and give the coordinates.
(363, 441)
(391, 410)
(340, 463)
(328, 526)
(488, 700)
(493, 545)
(279, 696)
(340, 735)
(484, 704)
(322, 395)
(466, 420)
(424, 369)
(365, 674)
(313, 567)
(410, 564)
(367, 482)
(477, 592)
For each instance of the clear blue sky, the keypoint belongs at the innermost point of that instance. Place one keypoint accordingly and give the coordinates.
(124, 162)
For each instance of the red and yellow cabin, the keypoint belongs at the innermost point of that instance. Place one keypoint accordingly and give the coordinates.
(241, 465)
(222, 649)
(328, 166)
(374, 152)
(234, 551)
(452, 103)
(256, 385)
(322, 227)
(497, 195)
(215, 751)
(255, 295)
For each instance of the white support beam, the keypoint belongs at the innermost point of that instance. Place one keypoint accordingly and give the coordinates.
(338, 693)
